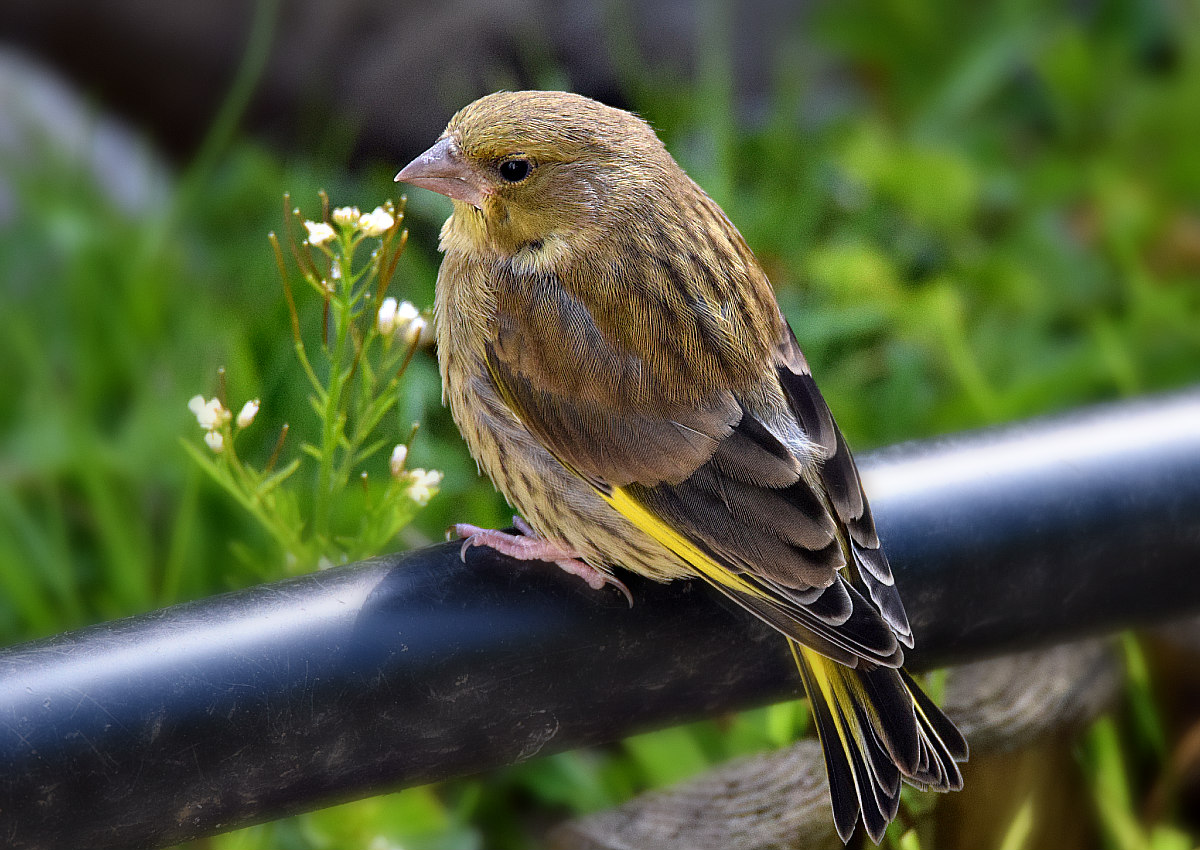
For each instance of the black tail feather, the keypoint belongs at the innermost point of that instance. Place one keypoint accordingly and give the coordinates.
(877, 728)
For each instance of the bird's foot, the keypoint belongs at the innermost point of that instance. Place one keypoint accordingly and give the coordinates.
(528, 546)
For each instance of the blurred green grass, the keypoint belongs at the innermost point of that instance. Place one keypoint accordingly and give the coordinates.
(995, 213)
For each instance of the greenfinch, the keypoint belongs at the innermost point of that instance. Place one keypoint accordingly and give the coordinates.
(617, 363)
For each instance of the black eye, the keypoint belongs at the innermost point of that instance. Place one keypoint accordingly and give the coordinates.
(515, 170)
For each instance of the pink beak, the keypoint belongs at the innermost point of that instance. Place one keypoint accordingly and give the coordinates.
(442, 169)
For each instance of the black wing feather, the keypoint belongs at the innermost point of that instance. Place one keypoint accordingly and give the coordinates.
(839, 474)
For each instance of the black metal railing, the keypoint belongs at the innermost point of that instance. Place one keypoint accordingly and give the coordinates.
(406, 669)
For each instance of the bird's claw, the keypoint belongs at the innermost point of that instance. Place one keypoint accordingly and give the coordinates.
(528, 546)
(469, 534)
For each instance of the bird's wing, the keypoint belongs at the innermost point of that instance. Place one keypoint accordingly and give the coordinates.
(712, 483)
(839, 480)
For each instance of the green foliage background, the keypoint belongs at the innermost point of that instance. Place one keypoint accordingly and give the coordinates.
(999, 218)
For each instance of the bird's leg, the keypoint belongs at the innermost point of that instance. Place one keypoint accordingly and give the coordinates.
(529, 546)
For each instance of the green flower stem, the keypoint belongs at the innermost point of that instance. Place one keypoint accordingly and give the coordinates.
(333, 422)
(283, 534)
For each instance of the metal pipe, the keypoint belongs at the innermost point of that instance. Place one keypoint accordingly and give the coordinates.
(401, 670)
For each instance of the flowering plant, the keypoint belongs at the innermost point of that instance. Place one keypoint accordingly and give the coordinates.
(367, 340)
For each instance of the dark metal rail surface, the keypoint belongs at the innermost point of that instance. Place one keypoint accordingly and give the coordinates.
(402, 670)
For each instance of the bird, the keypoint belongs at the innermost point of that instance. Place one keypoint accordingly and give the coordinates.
(617, 363)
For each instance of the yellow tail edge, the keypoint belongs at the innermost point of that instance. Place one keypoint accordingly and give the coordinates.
(877, 728)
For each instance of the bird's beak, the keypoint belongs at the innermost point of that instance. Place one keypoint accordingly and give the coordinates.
(442, 169)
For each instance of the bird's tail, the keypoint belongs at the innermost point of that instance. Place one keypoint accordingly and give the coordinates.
(877, 727)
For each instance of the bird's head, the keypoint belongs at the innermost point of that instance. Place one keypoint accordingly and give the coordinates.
(538, 167)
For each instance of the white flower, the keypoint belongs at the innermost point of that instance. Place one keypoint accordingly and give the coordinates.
(424, 483)
(210, 414)
(248, 412)
(218, 411)
(345, 216)
(427, 333)
(318, 232)
(377, 222)
(386, 321)
(399, 455)
(215, 441)
(406, 314)
(416, 330)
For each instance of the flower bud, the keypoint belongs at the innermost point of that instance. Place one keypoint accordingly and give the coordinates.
(247, 414)
(399, 455)
(386, 320)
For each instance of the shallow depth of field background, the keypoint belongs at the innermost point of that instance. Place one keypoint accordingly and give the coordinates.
(972, 213)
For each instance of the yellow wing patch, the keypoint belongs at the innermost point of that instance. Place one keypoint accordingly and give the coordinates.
(643, 518)
(664, 534)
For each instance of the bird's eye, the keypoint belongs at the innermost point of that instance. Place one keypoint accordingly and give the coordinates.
(515, 170)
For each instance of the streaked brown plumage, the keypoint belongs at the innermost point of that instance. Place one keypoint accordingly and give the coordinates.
(614, 357)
